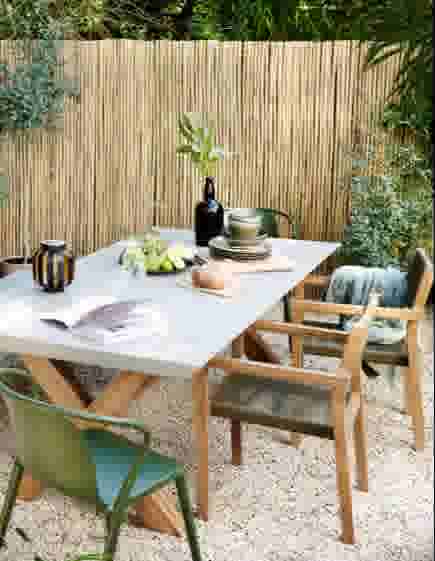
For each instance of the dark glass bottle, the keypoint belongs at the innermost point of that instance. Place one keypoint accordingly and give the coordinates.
(209, 215)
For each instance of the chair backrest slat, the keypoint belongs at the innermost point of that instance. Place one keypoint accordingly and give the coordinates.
(420, 279)
(275, 223)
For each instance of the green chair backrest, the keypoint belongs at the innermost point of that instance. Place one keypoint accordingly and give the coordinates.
(48, 444)
(271, 221)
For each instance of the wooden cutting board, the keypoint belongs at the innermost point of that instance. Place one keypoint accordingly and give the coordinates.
(270, 264)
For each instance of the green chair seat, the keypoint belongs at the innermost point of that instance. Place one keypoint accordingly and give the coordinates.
(275, 403)
(114, 456)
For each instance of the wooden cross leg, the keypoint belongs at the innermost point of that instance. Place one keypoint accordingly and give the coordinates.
(155, 511)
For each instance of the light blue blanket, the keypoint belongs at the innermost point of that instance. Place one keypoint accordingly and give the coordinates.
(353, 284)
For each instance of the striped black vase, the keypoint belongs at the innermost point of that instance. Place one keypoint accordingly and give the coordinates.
(53, 266)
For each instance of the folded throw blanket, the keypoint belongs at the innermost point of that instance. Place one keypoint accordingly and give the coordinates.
(352, 285)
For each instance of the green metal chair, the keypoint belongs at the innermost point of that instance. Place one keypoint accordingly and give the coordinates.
(89, 463)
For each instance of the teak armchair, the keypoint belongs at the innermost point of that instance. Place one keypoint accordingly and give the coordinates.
(309, 402)
(407, 355)
(78, 454)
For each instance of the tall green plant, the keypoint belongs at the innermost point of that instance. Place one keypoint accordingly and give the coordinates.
(199, 144)
(32, 96)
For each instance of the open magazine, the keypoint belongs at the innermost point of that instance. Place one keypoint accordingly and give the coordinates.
(110, 321)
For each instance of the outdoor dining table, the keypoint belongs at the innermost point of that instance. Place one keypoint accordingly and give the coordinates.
(198, 327)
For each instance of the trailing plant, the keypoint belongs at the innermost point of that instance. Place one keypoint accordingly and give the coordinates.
(199, 144)
(32, 96)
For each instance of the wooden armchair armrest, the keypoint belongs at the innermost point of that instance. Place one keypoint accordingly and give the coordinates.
(299, 329)
(329, 308)
(279, 372)
(317, 280)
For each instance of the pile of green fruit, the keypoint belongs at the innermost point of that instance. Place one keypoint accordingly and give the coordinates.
(154, 255)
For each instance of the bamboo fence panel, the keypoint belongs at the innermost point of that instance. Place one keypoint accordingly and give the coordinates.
(125, 180)
(289, 113)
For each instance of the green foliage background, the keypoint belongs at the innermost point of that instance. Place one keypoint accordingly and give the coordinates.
(389, 27)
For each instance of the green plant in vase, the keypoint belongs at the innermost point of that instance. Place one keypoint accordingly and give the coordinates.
(199, 144)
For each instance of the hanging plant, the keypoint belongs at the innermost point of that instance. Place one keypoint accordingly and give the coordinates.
(32, 97)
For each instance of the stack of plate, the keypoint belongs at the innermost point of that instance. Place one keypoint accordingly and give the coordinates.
(221, 247)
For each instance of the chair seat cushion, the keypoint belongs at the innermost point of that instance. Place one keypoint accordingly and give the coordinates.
(382, 354)
(276, 403)
(114, 455)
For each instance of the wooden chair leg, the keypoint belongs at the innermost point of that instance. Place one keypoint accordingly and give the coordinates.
(343, 474)
(297, 352)
(407, 401)
(236, 443)
(360, 440)
(413, 383)
(415, 400)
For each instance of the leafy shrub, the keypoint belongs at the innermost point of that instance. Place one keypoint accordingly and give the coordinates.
(391, 213)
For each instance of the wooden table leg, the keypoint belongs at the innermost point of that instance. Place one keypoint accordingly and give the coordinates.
(298, 317)
(157, 512)
(201, 412)
(113, 401)
(297, 350)
(237, 351)
(30, 489)
(256, 348)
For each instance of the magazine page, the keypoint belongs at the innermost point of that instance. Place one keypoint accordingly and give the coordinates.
(69, 315)
(122, 321)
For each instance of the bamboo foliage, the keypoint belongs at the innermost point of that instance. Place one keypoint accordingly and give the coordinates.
(288, 112)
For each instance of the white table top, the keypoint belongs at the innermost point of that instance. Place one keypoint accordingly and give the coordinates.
(198, 325)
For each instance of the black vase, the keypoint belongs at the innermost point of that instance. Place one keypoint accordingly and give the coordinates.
(209, 215)
(53, 266)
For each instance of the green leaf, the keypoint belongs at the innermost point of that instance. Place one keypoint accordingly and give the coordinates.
(184, 131)
(184, 149)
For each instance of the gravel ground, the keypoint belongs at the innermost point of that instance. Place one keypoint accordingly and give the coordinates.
(281, 505)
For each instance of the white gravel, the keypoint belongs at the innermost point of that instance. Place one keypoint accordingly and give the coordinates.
(281, 505)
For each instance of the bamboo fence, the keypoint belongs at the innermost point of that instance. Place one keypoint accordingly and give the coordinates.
(289, 112)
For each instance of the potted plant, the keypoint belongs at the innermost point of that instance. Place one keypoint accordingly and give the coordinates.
(199, 144)
(31, 99)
